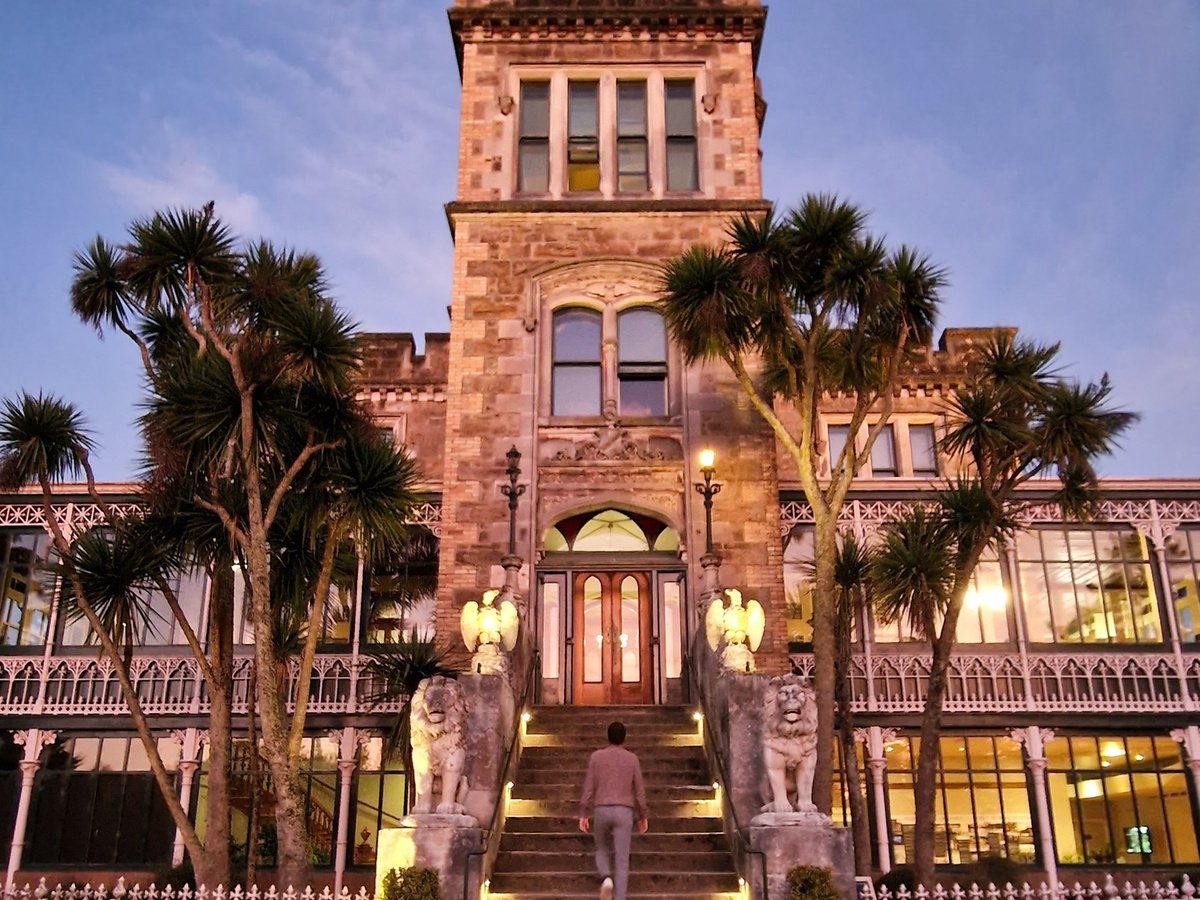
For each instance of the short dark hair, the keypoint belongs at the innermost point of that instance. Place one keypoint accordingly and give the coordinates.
(616, 733)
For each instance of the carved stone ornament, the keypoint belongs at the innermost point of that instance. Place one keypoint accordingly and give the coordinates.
(789, 731)
(611, 442)
(740, 627)
(488, 629)
(439, 747)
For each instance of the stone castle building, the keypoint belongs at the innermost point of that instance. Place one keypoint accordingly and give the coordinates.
(599, 138)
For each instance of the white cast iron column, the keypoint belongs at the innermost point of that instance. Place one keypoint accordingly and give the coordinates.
(33, 741)
(1190, 738)
(1035, 740)
(347, 740)
(189, 739)
(876, 740)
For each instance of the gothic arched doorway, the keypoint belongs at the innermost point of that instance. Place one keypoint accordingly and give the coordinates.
(611, 610)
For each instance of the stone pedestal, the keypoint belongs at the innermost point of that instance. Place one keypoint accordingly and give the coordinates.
(744, 697)
(491, 718)
(788, 840)
(433, 842)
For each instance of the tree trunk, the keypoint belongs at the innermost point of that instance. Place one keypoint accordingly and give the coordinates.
(220, 726)
(927, 759)
(824, 651)
(252, 825)
(860, 828)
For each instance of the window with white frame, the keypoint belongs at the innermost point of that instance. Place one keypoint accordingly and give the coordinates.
(586, 380)
(904, 448)
(608, 132)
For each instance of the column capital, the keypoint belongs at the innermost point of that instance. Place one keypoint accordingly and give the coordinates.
(1189, 737)
(188, 767)
(29, 767)
(33, 740)
(1034, 739)
(346, 767)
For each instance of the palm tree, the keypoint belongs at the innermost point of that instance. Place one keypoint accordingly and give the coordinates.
(43, 441)
(252, 419)
(797, 308)
(1012, 421)
(850, 577)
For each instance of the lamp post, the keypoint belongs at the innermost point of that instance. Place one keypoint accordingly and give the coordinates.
(708, 490)
(513, 492)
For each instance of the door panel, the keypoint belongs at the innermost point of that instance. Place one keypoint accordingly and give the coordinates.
(612, 645)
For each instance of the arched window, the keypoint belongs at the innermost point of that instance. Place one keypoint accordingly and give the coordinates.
(577, 368)
(588, 381)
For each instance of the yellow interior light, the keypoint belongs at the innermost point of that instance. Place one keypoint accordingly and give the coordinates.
(707, 459)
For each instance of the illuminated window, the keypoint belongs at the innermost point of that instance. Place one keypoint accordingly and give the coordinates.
(583, 136)
(1087, 586)
(1120, 801)
(1183, 564)
(982, 803)
(26, 587)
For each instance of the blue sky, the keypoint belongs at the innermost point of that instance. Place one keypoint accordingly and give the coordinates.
(1047, 153)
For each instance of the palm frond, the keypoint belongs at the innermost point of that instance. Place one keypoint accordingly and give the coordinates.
(911, 573)
(41, 436)
(99, 295)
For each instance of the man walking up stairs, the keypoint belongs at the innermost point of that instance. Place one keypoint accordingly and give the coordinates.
(613, 792)
(543, 854)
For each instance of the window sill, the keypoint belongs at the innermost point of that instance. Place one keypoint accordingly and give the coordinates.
(599, 422)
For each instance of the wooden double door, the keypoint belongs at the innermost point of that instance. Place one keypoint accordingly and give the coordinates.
(611, 645)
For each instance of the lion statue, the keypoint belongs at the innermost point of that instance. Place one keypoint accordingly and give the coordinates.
(790, 744)
(439, 749)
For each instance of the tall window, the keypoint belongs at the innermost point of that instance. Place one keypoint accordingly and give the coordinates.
(1183, 562)
(533, 155)
(25, 588)
(633, 145)
(1088, 586)
(923, 443)
(1120, 801)
(583, 136)
(838, 435)
(883, 454)
(577, 369)
(642, 363)
(682, 164)
(380, 799)
(982, 804)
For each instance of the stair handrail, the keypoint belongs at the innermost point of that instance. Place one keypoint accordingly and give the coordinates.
(718, 755)
(511, 757)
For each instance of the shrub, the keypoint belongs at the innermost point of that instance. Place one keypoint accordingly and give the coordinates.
(997, 870)
(901, 876)
(811, 883)
(410, 884)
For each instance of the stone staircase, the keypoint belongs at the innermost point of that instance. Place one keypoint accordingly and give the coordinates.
(543, 854)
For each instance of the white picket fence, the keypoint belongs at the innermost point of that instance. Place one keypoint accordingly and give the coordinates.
(119, 891)
(1109, 890)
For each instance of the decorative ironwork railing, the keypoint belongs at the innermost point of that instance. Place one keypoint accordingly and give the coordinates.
(172, 685)
(1155, 519)
(85, 514)
(1044, 682)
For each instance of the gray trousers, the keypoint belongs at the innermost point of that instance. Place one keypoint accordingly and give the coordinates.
(612, 831)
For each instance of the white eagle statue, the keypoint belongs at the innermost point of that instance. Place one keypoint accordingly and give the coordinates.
(486, 628)
(740, 626)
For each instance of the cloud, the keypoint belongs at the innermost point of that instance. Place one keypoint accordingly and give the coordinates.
(183, 178)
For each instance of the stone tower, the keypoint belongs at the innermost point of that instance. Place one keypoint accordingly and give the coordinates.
(598, 139)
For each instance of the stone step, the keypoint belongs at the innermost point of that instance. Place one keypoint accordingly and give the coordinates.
(599, 728)
(566, 806)
(586, 743)
(654, 792)
(571, 756)
(653, 773)
(613, 713)
(569, 824)
(632, 895)
(640, 860)
(650, 842)
(571, 882)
